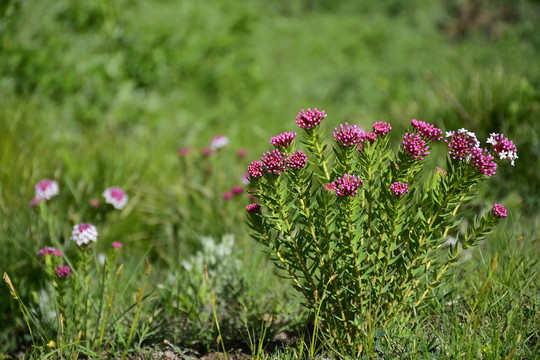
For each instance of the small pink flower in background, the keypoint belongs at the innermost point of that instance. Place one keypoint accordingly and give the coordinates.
(182, 152)
(227, 195)
(241, 153)
(253, 208)
(427, 131)
(461, 143)
(237, 190)
(274, 162)
(252, 197)
(415, 146)
(503, 147)
(381, 128)
(347, 185)
(441, 170)
(245, 179)
(310, 118)
(206, 151)
(499, 210)
(95, 203)
(117, 245)
(283, 140)
(255, 169)
(219, 142)
(62, 271)
(369, 136)
(34, 202)
(483, 161)
(297, 160)
(49, 251)
(46, 189)
(348, 135)
(116, 197)
(84, 233)
(399, 188)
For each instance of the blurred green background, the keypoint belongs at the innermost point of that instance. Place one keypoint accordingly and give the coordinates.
(100, 93)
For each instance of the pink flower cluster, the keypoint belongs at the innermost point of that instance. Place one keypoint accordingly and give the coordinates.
(483, 161)
(253, 208)
(310, 118)
(117, 245)
(49, 251)
(461, 143)
(427, 131)
(381, 128)
(399, 188)
(415, 146)
(297, 160)
(116, 197)
(283, 140)
(369, 136)
(499, 210)
(347, 185)
(503, 147)
(255, 169)
(83, 234)
(348, 135)
(62, 271)
(274, 162)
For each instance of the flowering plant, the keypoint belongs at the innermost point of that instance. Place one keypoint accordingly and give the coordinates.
(356, 229)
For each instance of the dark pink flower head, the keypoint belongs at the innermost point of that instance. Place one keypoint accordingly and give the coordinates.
(297, 160)
(206, 151)
(483, 161)
(62, 271)
(415, 146)
(345, 186)
(499, 210)
(49, 251)
(255, 169)
(184, 151)
(274, 162)
(461, 143)
(241, 153)
(369, 136)
(381, 128)
(348, 135)
(503, 147)
(35, 201)
(237, 190)
(426, 130)
(283, 140)
(117, 245)
(46, 189)
(399, 188)
(253, 208)
(310, 118)
(227, 195)
(116, 197)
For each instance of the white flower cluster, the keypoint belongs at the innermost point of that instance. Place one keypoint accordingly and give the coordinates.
(116, 197)
(83, 234)
(46, 189)
(218, 142)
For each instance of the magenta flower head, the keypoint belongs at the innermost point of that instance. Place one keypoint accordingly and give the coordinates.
(415, 146)
(274, 162)
(461, 143)
(227, 195)
(46, 189)
(49, 251)
(310, 118)
(499, 210)
(241, 153)
(116, 197)
(427, 131)
(117, 245)
(35, 202)
(369, 136)
(62, 271)
(483, 161)
(345, 186)
(206, 151)
(218, 142)
(283, 140)
(399, 188)
(297, 160)
(348, 135)
(183, 152)
(503, 147)
(253, 208)
(237, 190)
(255, 169)
(84, 233)
(381, 128)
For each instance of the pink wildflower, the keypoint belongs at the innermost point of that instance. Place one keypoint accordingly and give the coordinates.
(237, 190)
(274, 162)
(503, 147)
(117, 245)
(399, 188)
(499, 210)
(84, 233)
(116, 197)
(415, 146)
(461, 143)
(369, 136)
(35, 202)
(49, 251)
(46, 189)
(242, 153)
(206, 151)
(348, 135)
(184, 151)
(483, 161)
(255, 169)
(297, 160)
(253, 208)
(310, 118)
(218, 142)
(381, 128)
(227, 195)
(441, 170)
(95, 203)
(345, 186)
(283, 140)
(426, 130)
(245, 179)
(62, 271)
